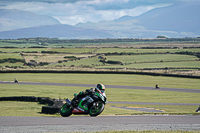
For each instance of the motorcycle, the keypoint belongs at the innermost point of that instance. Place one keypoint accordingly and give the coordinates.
(92, 104)
(157, 87)
(15, 80)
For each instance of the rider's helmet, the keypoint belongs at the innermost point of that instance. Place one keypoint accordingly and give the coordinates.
(101, 87)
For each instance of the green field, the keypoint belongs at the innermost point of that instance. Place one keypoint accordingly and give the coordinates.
(109, 79)
(10, 55)
(171, 56)
(113, 94)
(136, 50)
(134, 59)
(129, 58)
(97, 50)
(11, 108)
(176, 65)
(151, 58)
(152, 53)
(149, 132)
(39, 50)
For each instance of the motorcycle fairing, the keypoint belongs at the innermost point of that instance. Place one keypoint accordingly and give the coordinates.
(78, 111)
(83, 104)
(100, 96)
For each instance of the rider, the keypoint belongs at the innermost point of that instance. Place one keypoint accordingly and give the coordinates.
(157, 87)
(15, 80)
(102, 88)
(99, 88)
(198, 109)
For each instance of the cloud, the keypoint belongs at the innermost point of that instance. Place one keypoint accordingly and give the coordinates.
(99, 15)
(75, 11)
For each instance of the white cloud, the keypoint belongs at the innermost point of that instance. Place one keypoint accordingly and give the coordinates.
(80, 11)
(92, 15)
(97, 2)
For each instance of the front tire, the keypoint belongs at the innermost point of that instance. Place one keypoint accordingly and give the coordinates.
(66, 110)
(97, 108)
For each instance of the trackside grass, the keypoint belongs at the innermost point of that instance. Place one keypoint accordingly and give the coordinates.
(107, 79)
(113, 94)
(11, 108)
(132, 55)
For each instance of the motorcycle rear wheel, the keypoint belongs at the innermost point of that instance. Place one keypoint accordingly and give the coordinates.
(66, 110)
(97, 108)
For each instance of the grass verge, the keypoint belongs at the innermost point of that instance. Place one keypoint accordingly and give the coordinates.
(149, 132)
(107, 79)
(113, 94)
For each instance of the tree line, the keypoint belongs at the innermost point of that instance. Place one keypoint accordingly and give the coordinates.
(56, 40)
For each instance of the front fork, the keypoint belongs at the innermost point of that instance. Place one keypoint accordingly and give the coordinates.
(68, 101)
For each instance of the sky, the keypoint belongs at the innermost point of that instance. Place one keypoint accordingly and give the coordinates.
(81, 11)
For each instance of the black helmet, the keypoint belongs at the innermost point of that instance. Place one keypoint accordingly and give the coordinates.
(101, 87)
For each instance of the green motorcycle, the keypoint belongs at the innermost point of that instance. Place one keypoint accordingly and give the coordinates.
(92, 104)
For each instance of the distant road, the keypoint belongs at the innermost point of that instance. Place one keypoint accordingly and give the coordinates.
(107, 86)
(102, 123)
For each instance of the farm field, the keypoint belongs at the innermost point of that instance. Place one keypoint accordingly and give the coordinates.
(143, 50)
(10, 55)
(178, 57)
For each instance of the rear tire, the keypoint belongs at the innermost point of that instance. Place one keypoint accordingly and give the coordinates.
(66, 110)
(97, 108)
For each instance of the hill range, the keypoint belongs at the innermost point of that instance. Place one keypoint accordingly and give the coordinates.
(173, 21)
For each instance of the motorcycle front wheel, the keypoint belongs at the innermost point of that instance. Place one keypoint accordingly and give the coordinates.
(66, 110)
(97, 108)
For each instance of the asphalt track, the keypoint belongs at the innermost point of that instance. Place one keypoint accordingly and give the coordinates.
(107, 86)
(101, 123)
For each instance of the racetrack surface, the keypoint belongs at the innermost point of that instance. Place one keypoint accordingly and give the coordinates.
(107, 86)
(101, 123)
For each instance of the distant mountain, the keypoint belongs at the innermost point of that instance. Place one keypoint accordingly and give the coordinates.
(58, 31)
(178, 17)
(178, 20)
(16, 19)
(124, 18)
